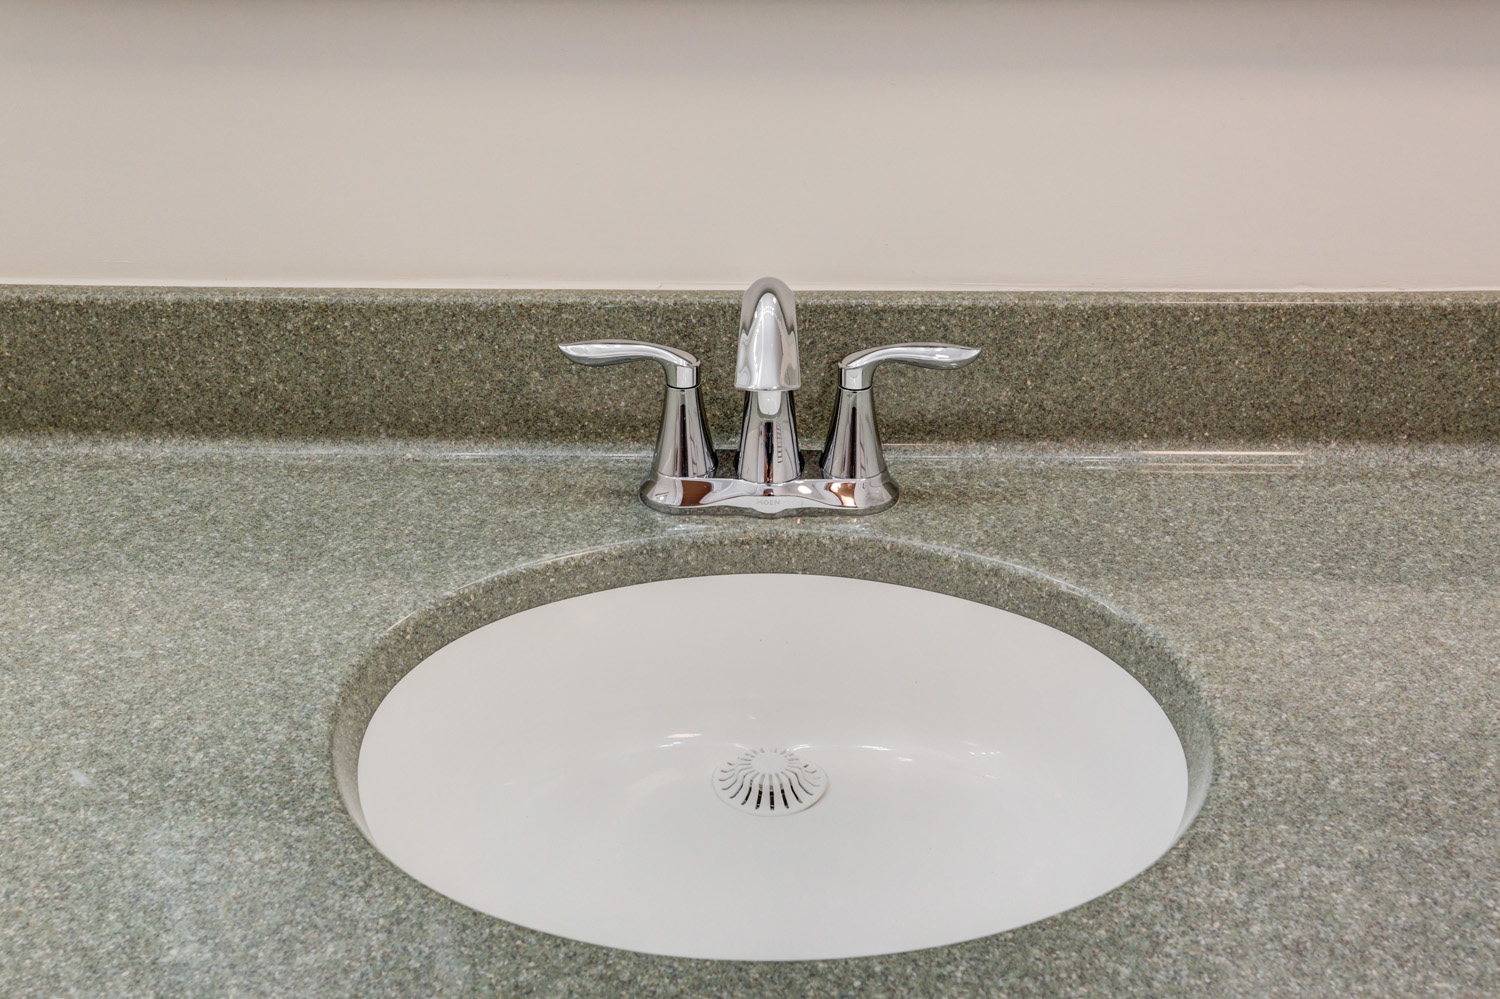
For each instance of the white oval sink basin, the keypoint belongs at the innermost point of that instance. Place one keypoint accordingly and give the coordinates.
(562, 769)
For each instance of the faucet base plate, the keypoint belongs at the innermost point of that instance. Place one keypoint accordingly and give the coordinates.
(796, 498)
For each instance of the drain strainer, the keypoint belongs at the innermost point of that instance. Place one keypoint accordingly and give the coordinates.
(770, 782)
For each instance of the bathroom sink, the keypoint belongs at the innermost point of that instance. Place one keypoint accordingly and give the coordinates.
(770, 767)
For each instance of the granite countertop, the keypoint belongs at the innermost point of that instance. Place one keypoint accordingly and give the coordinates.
(180, 616)
(216, 505)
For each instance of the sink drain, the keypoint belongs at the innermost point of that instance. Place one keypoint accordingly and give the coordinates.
(770, 782)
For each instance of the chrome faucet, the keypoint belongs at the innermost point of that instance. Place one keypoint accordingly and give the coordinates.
(850, 476)
(768, 371)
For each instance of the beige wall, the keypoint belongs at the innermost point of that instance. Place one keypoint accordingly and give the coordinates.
(1118, 144)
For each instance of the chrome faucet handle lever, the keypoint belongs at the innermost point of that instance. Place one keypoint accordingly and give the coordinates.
(684, 448)
(853, 450)
(857, 371)
(681, 367)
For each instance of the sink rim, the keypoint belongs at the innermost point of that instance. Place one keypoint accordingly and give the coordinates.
(1129, 642)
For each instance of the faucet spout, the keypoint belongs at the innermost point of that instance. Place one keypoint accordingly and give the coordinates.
(767, 371)
(768, 360)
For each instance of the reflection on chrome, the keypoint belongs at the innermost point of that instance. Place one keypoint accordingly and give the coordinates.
(772, 477)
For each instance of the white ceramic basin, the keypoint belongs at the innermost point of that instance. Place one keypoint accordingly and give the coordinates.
(556, 769)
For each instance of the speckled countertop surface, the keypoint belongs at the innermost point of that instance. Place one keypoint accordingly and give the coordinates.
(178, 619)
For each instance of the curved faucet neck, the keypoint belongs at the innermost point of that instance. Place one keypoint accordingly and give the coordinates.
(768, 360)
(768, 370)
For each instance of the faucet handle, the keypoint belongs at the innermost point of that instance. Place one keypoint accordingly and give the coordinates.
(853, 450)
(857, 370)
(684, 447)
(681, 367)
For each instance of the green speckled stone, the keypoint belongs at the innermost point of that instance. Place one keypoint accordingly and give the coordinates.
(483, 365)
(186, 627)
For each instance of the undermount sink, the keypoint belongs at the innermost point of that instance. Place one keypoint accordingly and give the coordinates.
(769, 766)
